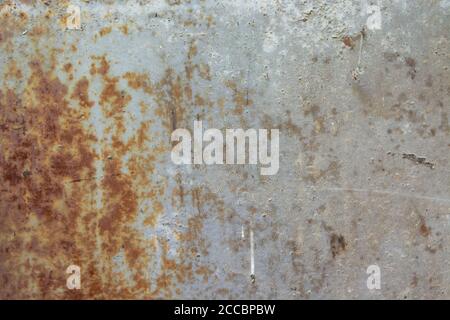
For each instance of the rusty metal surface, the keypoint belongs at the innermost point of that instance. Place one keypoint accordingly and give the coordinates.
(86, 177)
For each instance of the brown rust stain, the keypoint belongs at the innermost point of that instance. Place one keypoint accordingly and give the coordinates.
(172, 99)
(124, 29)
(58, 209)
(40, 203)
(13, 71)
(411, 63)
(13, 24)
(348, 41)
(240, 98)
(315, 174)
(105, 31)
(139, 81)
(68, 67)
(319, 119)
(421, 104)
(99, 66)
(287, 127)
(424, 230)
(337, 244)
(81, 94)
(49, 185)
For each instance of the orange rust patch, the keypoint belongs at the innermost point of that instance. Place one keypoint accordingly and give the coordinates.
(68, 67)
(124, 29)
(105, 31)
(139, 81)
(13, 72)
(102, 68)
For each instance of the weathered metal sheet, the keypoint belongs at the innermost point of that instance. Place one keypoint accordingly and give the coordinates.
(360, 91)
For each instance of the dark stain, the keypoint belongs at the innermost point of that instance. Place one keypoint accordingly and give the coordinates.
(391, 56)
(414, 281)
(418, 160)
(411, 63)
(337, 244)
(429, 81)
(424, 230)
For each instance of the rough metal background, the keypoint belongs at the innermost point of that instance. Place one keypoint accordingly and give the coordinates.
(86, 175)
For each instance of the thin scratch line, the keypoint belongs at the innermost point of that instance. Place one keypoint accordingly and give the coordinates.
(389, 193)
(252, 254)
(360, 49)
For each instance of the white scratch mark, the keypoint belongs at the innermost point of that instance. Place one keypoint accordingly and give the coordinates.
(360, 49)
(243, 233)
(252, 255)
